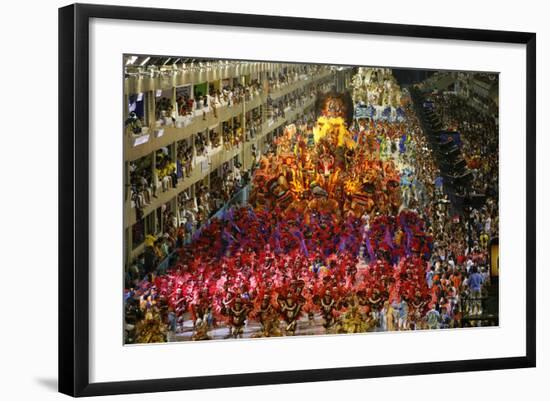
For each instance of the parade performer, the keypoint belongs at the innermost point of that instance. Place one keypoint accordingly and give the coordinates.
(291, 311)
(268, 318)
(238, 314)
(328, 306)
(352, 320)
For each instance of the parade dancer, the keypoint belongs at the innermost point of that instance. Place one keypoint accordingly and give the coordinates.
(267, 317)
(238, 314)
(291, 311)
(328, 309)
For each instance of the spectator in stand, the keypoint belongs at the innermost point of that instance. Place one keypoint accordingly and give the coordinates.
(475, 280)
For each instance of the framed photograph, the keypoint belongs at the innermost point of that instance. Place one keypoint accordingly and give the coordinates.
(251, 199)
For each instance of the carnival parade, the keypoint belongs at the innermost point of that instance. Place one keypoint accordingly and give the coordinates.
(350, 222)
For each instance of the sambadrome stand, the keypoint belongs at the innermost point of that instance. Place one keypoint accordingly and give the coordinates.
(325, 245)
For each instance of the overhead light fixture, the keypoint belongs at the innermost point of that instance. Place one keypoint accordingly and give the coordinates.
(167, 60)
(145, 61)
(131, 60)
(176, 60)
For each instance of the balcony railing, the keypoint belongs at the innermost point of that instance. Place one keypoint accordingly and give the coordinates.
(140, 146)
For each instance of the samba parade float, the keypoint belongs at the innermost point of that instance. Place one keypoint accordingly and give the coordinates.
(325, 243)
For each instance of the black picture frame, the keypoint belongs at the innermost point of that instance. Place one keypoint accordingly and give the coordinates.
(74, 198)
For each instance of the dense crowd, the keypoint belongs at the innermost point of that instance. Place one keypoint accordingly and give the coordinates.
(479, 146)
